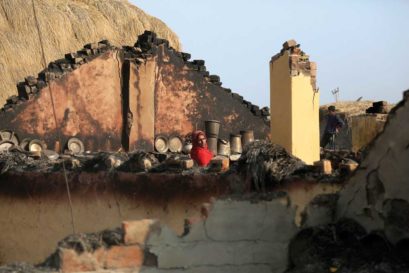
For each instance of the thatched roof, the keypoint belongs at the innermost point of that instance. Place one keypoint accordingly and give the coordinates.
(66, 26)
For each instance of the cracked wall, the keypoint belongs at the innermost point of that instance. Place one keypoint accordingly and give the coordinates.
(377, 195)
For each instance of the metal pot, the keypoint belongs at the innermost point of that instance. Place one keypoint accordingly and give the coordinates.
(247, 136)
(212, 128)
(223, 147)
(212, 145)
(235, 144)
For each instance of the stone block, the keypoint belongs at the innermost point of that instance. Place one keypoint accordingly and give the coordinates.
(124, 257)
(137, 232)
(71, 261)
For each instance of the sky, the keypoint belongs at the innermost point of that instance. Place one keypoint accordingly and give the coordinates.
(360, 46)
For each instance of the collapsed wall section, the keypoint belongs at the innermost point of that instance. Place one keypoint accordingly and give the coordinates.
(377, 196)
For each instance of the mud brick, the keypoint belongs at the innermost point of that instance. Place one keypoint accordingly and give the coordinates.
(380, 103)
(91, 46)
(71, 56)
(254, 108)
(324, 166)
(202, 68)
(41, 84)
(290, 43)
(205, 73)
(12, 99)
(214, 78)
(199, 62)
(265, 111)
(105, 42)
(187, 164)
(31, 80)
(348, 167)
(237, 97)
(313, 65)
(34, 89)
(137, 50)
(124, 257)
(86, 52)
(94, 51)
(70, 261)
(186, 56)
(228, 90)
(219, 164)
(23, 90)
(137, 232)
(140, 60)
(192, 66)
(217, 83)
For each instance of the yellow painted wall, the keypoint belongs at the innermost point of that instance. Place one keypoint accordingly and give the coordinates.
(305, 120)
(294, 108)
(280, 102)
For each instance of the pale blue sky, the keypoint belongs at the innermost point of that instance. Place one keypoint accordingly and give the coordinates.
(360, 46)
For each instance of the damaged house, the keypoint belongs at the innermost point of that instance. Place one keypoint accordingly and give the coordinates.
(124, 206)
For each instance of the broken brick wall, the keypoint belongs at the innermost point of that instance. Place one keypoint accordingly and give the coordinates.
(115, 98)
(377, 196)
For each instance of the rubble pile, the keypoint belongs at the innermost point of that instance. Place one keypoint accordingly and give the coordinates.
(344, 247)
(266, 162)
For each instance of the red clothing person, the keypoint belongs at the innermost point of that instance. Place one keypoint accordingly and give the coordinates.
(199, 153)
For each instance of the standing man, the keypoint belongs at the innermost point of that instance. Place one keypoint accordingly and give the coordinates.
(334, 124)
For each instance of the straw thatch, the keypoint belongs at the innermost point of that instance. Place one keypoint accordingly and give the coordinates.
(66, 25)
(352, 108)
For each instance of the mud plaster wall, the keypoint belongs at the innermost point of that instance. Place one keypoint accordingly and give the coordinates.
(377, 195)
(36, 214)
(32, 223)
(141, 104)
(87, 105)
(185, 99)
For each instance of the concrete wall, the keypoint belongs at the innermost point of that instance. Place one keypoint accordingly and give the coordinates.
(377, 196)
(294, 107)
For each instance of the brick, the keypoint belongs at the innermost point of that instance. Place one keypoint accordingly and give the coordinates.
(137, 232)
(348, 167)
(220, 164)
(71, 261)
(124, 257)
(187, 164)
(289, 43)
(91, 46)
(324, 166)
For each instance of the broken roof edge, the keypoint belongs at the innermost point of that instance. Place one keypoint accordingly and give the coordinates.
(144, 47)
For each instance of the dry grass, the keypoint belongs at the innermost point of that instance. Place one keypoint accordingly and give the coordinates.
(351, 108)
(66, 26)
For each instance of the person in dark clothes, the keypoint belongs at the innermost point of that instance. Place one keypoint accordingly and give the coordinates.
(334, 124)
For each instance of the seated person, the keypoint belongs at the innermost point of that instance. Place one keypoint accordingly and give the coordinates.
(199, 153)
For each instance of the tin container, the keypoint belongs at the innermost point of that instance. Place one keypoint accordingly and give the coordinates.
(212, 144)
(212, 128)
(223, 147)
(247, 136)
(161, 144)
(235, 144)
